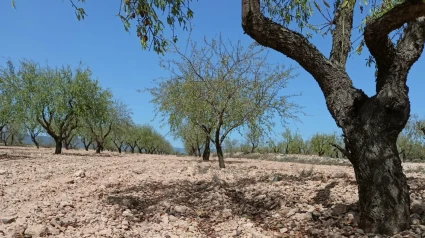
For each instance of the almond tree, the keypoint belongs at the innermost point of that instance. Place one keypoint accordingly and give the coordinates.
(57, 97)
(221, 88)
(370, 125)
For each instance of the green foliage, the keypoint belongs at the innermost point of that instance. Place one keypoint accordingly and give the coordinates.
(410, 142)
(150, 18)
(220, 88)
(193, 138)
(53, 97)
(321, 144)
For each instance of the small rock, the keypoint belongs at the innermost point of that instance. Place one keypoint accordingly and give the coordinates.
(350, 218)
(172, 218)
(80, 173)
(127, 213)
(3, 172)
(417, 207)
(165, 219)
(227, 213)
(414, 221)
(283, 230)
(339, 209)
(70, 181)
(249, 225)
(37, 231)
(180, 209)
(8, 220)
(360, 231)
(260, 197)
(291, 212)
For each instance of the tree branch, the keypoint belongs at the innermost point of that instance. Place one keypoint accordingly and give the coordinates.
(377, 31)
(341, 43)
(293, 45)
(410, 47)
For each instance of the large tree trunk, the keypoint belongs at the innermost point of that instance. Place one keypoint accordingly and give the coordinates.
(58, 148)
(371, 125)
(383, 191)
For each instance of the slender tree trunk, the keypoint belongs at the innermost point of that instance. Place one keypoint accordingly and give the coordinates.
(99, 147)
(207, 151)
(58, 149)
(220, 155)
(253, 146)
(132, 149)
(33, 139)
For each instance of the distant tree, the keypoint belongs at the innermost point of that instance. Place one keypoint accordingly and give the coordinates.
(410, 141)
(254, 135)
(121, 128)
(193, 138)
(102, 114)
(231, 145)
(321, 143)
(220, 88)
(57, 97)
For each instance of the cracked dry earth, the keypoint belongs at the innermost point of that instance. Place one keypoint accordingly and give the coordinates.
(80, 194)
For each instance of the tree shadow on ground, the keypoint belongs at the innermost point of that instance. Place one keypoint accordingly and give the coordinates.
(323, 195)
(207, 199)
(86, 154)
(9, 157)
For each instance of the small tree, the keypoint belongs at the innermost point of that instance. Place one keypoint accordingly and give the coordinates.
(57, 97)
(220, 88)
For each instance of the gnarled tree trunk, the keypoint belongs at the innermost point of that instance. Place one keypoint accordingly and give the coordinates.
(383, 191)
(371, 125)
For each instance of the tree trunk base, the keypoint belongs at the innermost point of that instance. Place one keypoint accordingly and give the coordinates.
(384, 198)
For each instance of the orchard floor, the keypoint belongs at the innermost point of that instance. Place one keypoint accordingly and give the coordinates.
(81, 194)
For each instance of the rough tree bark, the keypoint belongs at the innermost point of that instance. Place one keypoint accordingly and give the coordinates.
(58, 148)
(370, 125)
(217, 142)
(207, 150)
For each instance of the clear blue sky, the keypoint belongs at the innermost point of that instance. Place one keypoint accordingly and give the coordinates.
(49, 31)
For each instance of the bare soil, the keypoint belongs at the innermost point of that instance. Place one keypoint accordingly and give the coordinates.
(81, 194)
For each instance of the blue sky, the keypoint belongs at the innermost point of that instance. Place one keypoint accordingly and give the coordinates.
(48, 31)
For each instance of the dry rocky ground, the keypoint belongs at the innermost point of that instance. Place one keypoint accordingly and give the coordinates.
(80, 194)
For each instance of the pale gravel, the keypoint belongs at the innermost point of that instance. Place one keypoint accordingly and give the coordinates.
(81, 194)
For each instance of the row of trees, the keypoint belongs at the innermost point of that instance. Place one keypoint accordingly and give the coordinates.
(410, 143)
(394, 34)
(68, 105)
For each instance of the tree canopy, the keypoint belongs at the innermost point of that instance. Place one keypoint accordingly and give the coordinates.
(220, 87)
